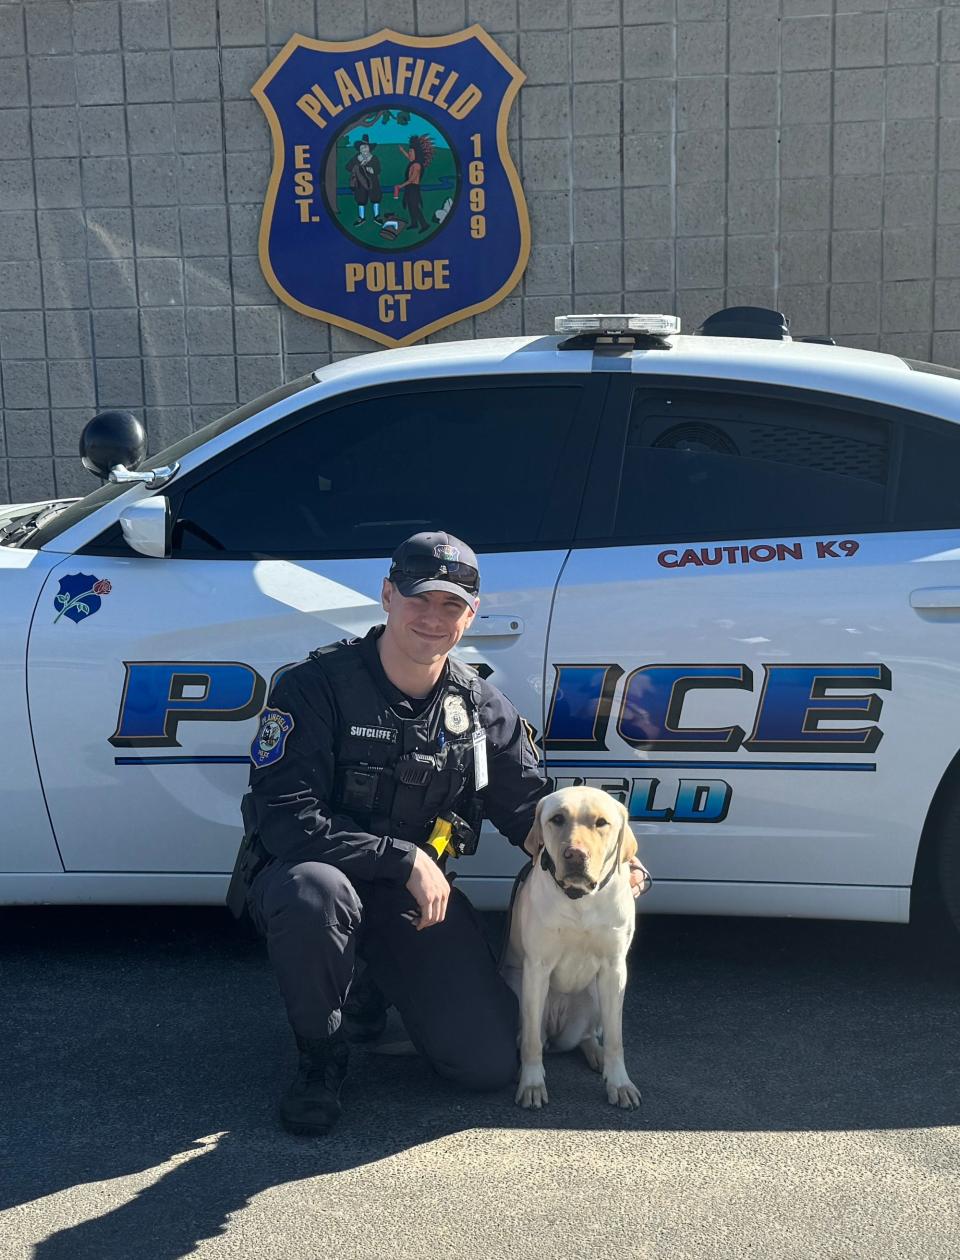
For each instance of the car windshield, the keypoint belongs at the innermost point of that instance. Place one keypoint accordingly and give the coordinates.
(109, 490)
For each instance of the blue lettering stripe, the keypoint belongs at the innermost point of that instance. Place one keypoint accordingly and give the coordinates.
(655, 763)
(555, 764)
(181, 761)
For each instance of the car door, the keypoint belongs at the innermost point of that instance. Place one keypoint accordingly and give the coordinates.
(153, 670)
(756, 642)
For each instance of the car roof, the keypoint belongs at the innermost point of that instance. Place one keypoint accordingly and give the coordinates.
(842, 370)
(715, 350)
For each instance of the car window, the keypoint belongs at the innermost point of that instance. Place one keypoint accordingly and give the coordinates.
(712, 464)
(475, 458)
(110, 490)
(929, 477)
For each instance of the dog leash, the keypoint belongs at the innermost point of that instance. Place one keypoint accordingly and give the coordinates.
(521, 879)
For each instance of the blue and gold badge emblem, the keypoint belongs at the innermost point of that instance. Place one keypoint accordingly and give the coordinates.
(393, 207)
(270, 740)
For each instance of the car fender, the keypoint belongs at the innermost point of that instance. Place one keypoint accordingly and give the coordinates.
(26, 840)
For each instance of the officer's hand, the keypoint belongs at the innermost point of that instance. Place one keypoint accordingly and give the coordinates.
(640, 881)
(429, 888)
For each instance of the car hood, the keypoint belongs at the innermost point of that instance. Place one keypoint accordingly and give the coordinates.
(10, 511)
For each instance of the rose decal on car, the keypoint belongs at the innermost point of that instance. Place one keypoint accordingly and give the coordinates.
(80, 596)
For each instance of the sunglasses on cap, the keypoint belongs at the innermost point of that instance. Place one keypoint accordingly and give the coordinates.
(421, 568)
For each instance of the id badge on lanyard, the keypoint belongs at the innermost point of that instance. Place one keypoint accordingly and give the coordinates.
(479, 740)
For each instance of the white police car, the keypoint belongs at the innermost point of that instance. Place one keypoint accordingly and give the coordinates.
(720, 576)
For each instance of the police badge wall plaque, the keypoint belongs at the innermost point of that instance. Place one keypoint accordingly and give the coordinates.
(393, 207)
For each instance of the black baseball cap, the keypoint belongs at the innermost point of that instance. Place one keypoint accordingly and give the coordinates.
(436, 562)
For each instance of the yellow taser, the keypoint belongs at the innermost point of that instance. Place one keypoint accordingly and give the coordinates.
(439, 839)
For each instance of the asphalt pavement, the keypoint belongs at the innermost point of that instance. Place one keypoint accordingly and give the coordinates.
(800, 1081)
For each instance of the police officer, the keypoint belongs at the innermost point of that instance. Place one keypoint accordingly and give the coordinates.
(363, 747)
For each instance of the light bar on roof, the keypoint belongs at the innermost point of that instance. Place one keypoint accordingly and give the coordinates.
(651, 325)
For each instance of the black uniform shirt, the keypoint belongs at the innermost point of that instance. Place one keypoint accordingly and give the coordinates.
(291, 797)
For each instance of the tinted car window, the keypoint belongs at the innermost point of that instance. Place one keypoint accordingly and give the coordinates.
(702, 465)
(110, 490)
(478, 460)
(928, 488)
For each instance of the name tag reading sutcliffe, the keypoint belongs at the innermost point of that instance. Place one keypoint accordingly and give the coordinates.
(479, 739)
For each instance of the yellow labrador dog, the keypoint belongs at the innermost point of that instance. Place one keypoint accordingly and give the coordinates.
(572, 924)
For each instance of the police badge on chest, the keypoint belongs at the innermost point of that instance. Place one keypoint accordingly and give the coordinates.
(456, 719)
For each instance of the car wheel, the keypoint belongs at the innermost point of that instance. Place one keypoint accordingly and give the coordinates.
(948, 861)
(935, 895)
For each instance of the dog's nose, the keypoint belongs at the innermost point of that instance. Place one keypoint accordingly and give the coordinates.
(575, 857)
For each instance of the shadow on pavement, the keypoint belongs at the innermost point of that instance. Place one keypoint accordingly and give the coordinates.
(133, 1036)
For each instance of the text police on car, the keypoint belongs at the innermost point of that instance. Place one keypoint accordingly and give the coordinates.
(374, 760)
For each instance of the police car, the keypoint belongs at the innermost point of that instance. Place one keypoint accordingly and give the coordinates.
(720, 577)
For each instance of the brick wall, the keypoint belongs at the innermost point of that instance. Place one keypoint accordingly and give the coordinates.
(677, 155)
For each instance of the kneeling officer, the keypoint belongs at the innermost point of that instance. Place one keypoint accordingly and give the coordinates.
(374, 760)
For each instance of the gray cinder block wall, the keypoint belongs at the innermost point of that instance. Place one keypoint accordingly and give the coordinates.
(677, 155)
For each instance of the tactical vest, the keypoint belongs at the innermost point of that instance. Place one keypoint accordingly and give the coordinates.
(395, 775)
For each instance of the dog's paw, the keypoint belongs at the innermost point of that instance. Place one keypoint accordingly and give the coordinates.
(593, 1053)
(621, 1091)
(532, 1090)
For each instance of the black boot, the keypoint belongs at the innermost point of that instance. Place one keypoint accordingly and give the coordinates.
(365, 1010)
(311, 1103)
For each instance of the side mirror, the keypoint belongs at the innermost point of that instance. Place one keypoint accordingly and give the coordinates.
(146, 526)
(113, 445)
(112, 439)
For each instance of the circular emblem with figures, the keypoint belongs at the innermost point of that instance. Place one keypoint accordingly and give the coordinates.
(390, 179)
(455, 716)
(270, 734)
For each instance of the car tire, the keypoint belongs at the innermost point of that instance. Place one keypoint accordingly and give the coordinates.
(948, 862)
(935, 895)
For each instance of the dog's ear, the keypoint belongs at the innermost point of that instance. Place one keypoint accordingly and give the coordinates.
(628, 841)
(534, 841)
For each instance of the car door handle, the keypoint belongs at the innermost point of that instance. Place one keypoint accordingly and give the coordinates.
(935, 597)
(494, 625)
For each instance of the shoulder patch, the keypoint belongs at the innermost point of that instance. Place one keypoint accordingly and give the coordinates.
(531, 735)
(271, 737)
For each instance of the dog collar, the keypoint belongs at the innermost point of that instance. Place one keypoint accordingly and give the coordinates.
(547, 864)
